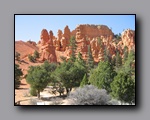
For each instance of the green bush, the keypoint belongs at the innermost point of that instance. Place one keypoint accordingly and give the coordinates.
(18, 74)
(36, 54)
(33, 92)
(31, 58)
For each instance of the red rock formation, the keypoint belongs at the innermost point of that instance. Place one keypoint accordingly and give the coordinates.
(97, 36)
(57, 41)
(51, 37)
(44, 36)
(128, 39)
(31, 42)
(92, 31)
(47, 49)
(25, 48)
(63, 43)
(67, 34)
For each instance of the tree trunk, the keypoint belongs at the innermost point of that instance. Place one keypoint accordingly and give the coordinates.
(67, 90)
(38, 94)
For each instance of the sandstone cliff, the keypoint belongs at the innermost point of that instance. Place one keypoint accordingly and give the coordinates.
(98, 37)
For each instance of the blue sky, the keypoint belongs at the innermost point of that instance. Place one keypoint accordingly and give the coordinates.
(29, 27)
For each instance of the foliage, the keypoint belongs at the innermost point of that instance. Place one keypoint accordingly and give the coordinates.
(100, 42)
(125, 54)
(107, 55)
(123, 86)
(31, 58)
(73, 47)
(90, 60)
(69, 74)
(17, 56)
(36, 54)
(118, 36)
(33, 92)
(102, 76)
(18, 74)
(63, 58)
(84, 81)
(49, 67)
(90, 95)
(38, 78)
(118, 60)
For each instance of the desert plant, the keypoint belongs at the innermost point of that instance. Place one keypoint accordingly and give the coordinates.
(90, 95)
(84, 81)
(38, 78)
(17, 56)
(102, 76)
(33, 92)
(36, 54)
(18, 74)
(31, 58)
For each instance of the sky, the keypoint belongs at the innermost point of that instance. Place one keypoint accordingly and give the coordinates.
(29, 27)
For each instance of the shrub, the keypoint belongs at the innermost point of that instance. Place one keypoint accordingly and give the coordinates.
(89, 95)
(17, 56)
(36, 54)
(31, 58)
(18, 74)
(33, 92)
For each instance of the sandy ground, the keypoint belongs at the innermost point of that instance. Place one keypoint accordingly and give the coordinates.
(22, 95)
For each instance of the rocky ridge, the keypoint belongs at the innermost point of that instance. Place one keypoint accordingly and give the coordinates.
(98, 37)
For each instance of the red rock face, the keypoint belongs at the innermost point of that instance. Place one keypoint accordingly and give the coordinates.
(44, 36)
(98, 37)
(47, 50)
(128, 39)
(51, 37)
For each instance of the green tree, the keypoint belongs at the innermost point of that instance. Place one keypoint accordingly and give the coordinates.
(38, 78)
(69, 74)
(130, 63)
(31, 58)
(84, 81)
(90, 60)
(113, 61)
(107, 55)
(100, 42)
(79, 61)
(118, 36)
(36, 54)
(18, 74)
(33, 92)
(125, 54)
(17, 56)
(118, 60)
(49, 67)
(73, 47)
(102, 76)
(123, 87)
